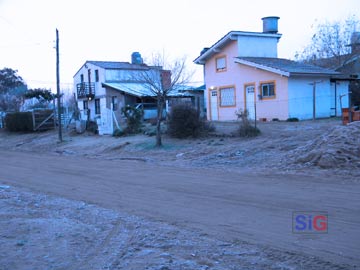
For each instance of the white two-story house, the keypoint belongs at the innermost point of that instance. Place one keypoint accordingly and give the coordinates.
(103, 88)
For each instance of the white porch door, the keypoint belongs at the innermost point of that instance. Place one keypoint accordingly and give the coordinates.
(250, 101)
(214, 105)
(105, 122)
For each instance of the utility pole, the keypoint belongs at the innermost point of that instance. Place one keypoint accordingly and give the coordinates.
(350, 106)
(314, 101)
(314, 98)
(255, 110)
(58, 85)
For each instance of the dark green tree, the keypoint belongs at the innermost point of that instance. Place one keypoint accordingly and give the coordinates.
(43, 96)
(40, 94)
(9, 80)
(12, 88)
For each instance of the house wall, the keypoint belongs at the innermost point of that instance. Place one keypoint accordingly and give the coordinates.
(105, 95)
(214, 80)
(238, 75)
(342, 97)
(257, 46)
(268, 108)
(199, 102)
(301, 97)
(121, 102)
(91, 106)
(99, 90)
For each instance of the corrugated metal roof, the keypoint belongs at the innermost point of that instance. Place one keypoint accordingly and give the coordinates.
(289, 66)
(134, 89)
(140, 90)
(180, 94)
(118, 65)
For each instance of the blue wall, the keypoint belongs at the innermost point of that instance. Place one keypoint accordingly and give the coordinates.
(301, 97)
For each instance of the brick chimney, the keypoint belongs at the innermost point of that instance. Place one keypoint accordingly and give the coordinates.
(355, 43)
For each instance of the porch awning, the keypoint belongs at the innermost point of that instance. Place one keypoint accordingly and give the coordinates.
(133, 89)
(139, 90)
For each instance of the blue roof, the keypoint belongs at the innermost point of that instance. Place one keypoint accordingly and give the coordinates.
(289, 66)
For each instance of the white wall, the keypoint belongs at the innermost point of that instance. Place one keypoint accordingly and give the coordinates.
(253, 46)
(99, 91)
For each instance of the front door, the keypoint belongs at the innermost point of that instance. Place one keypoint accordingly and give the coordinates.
(106, 121)
(250, 101)
(214, 105)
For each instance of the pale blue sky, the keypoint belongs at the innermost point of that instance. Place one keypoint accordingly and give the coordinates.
(112, 29)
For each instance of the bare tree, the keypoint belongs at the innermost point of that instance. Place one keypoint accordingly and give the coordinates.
(161, 79)
(329, 45)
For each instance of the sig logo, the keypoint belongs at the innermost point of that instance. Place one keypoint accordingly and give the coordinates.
(310, 222)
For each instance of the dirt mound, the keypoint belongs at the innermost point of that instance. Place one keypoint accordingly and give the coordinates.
(337, 149)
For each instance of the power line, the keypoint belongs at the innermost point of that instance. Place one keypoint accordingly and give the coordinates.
(22, 35)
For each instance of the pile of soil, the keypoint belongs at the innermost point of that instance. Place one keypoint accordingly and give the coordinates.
(340, 148)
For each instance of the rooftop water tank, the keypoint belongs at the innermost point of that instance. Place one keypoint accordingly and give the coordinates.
(136, 58)
(270, 24)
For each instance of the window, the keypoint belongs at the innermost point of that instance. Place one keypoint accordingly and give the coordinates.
(82, 78)
(221, 64)
(85, 105)
(96, 75)
(114, 102)
(267, 90)
(227, 97)
(97, 106)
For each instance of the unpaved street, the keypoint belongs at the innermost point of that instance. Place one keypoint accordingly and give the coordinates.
(230, 206)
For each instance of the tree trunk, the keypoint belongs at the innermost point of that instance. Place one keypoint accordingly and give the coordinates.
(158, 122)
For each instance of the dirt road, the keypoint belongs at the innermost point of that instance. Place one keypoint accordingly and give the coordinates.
(247, 207)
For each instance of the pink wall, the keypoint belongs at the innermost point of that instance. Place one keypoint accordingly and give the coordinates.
(238, 75)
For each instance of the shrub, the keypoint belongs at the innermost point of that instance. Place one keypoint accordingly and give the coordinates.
(292, 119)
(149, 130)
(245, 128)
(184, 121)
(133, 119)
(153, 121)
(118, 132)
(19, 121)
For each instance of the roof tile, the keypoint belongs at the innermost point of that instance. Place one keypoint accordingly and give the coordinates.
(289, 65)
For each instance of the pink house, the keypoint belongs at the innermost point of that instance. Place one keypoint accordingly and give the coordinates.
(242, 71)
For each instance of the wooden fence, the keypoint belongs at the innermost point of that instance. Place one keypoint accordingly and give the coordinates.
(43, 120)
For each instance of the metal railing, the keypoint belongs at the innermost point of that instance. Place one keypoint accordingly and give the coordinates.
(85, 90)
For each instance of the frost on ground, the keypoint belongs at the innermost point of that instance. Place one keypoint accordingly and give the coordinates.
(340, 148)
(307, 147)
(44, 232)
